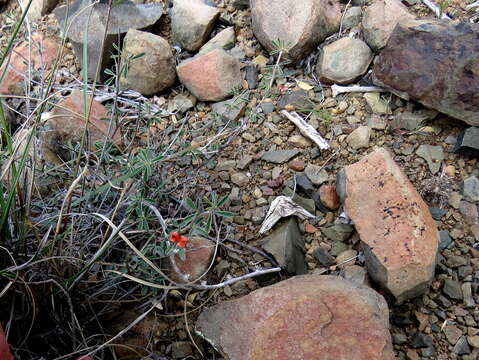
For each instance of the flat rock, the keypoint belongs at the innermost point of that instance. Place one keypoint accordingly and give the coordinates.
(286, 244)
(225, 40)
(192, 22)
(376, 104)
(323, 257)
(470, 189)
(412, 120)
(279, 156)
(199, 253)
(434, 155)
(399, 236)
(468, 142)
(352, 17)
(379, 20)
(307, 204)
(300, 25)
(338, 232)
(411, 67)
(181, 104)
(155, 70)
(344, 61)
(295, 319)
(359, 138)
(231, 109)
(317, 174)
(211, 76)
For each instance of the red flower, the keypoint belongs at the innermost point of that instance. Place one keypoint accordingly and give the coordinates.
(183, 241)
(175, 237)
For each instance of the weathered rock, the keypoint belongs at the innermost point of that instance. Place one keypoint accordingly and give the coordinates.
(192, 22)
(225, 40)
(323, 257)
(412, 120)
(355, 273)
(305, 317)
(359, 138)
(352, 17)
(239, 179)
(469, 211)
(317, 174)
(329, 197)
(155, 70)
(279, 156)
(181, 349)
(399, 236)
(470, 189)
(5, 353)
(344, 61)
(308, 204)
(298, 99)
(446, 81)
(379, 20)
(300, 25)
(43, 54)
(123, 17)
(433, 156)
(376, 104)
(230, 110)
(211, 76)
(181, 104)
(199, 253)
(452, 288)
(38, 8)
(286, 244)
(468, 142)
(338, 232)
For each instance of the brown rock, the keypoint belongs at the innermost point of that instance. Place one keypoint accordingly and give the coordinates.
(329, 197)
(304, 318)
(301, 25)
(212, 76)
(43, 54)
(199, 253)
(379, 20)
(399, 236)
(446, 80)
(296, 165)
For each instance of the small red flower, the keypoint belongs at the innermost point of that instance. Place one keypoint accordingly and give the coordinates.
(183, 241)
(175, 237)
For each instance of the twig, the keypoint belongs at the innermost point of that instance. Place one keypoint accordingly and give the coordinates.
(337, 89)
(306, 129)
(239, 278)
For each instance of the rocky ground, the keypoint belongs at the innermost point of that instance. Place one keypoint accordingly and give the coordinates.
(391, 201)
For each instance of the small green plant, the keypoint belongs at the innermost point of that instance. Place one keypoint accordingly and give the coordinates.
(443, 5)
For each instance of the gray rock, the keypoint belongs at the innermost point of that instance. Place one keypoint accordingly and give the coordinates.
(470, 189)
(338, 247)
(240, 4)
(359, 138)
(452, 288)
(308, 204)
(437, 213)
(445, 239)
(338, 232)
(123, 17)
(412, 120)
(181, 349)
(251, 76)
(433, 155)
(244, 162)
(467, 295)
(231, 109)
(286, 244)
(225, 165)
(267, 107)
(316, 174)
(355, 273)
(376, 104)
(225, 40)
(352, 17)
(323, 257)
(462, 347)
(304, 184)
(297, 98)
(38, 8)
(468, 142)
(279, 156)
(239, 179)
(181, 104)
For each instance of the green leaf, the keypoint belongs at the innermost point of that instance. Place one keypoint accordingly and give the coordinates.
(222, 201)
(190, 205)
(225, 214)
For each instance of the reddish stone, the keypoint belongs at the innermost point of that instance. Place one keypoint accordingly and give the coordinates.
(296, 165)
(399, 236)
(329, 197)
(310, 229)
(43, 54)
(199, 253)
(5, 353)
(306, 317)
(212, 76)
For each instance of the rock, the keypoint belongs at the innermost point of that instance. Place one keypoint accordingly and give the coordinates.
(422, 341)
(469, 211)
(461, 347)
(445, 239)
(230, 110)
(308, 204)
(344, 61)
(211, 76)
(295, 319)
(452, 288)
(453, 333)
(38, 8)
(5, 353)
(304, 184)
(239, 179)
(399, 236)
(412, 120)
(181, 104)
(301, 26)
(286, 244)
(224, 40)
(379, 20)
(356, 274)
(329, 197)
(298, 99)
(316, 174)
(467, 297)
(279, 156)
(296, 165)
(468, 142)
(43, 54)
(199, 253)
(376, 104)
(377, 122)
(155, 70)
(66, 125)
(470, 189)
(338, 232)
(433, 156)
(181, 349)
(244, 162)
(473, 341)
(440, 81)
(240, 4)
(192, 22)
(352, 17)
(323, 257)
(251, 77)
(299, 141)
(359, 138)
(123, 17)
(346, 258)
(437, 213)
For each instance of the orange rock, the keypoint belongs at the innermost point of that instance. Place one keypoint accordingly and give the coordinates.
(43, 54)
(306, 317)
(399, 236)
(296, 165)
(329, 197)
(310, 229)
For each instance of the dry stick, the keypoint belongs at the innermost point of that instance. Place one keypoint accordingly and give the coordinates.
(337, 89)
(253, 249)
(239, 278)
(187, 327)
(306, 129)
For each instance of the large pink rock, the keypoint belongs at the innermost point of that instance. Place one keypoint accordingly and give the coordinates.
(300, 25)
(399, 236)
(306, 317)
(211, 76)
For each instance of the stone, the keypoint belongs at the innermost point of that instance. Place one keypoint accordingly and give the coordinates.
(412, 120)
(379, 20)
(38, 8)
(244, 162)
(181, 349)
(434, 155)
(437, 213)
(377, 122)
(445, 239)
(469, 211)
(123, 17)
(352, 17)
(344, 61)
(66, 125)
(181, 104)
(239, 179)
(211, 76)
(399, 237)
(279, 156)
(346, 258)
(473, 341)
(329, 197)
(155, 70)
(359, 138)
(468, 142)
(453, 333)
(298, 99)
(240, 4)
(251, 77)
(467, 297)
(296, 319)
(308, 204)
(301, 26)
(192, 22)
(317, 174)
(445, 81)
(323, 257)
(421, 340)
(452, 288)
(462, 347)
(338, 232)
(338, 247)
(231, 109)
(296, 165)
(376, 104)
(286, 244)
(199, 253)
(5, 353)
(299, 141)
(356, 274)
(225, 40)
(43, 55)
(470, 189)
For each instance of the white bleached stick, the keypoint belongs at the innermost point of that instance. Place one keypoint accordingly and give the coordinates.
(337, 89)
(436, 10)
(306, 129)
